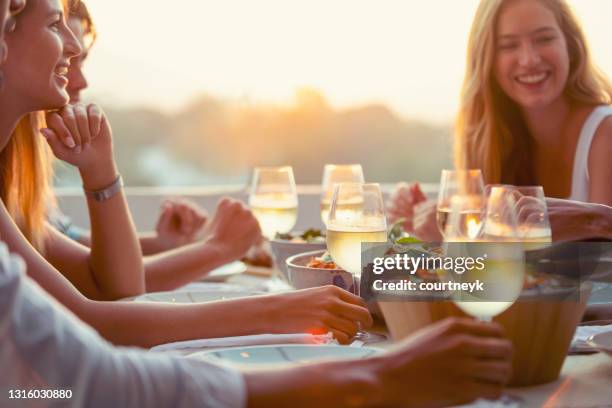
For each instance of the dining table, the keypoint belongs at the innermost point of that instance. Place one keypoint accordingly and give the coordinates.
(585, 380)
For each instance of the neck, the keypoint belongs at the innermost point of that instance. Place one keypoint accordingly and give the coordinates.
(547, 125)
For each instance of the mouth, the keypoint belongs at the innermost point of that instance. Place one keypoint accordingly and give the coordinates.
(533, 79)
(61, 72)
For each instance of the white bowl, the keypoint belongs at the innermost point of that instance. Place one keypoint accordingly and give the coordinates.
(301, 276)
(283, 249)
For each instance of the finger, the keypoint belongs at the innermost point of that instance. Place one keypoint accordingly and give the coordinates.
(185, 216)
(56, 145)
(488, 348)
(94, 113)
(472, 327)
(342, 337)
(494, 372)
(348, 296)
(80, 114)
(355, 313)
(345, 326)
(67, 114)
(165, 219)
(56, 124)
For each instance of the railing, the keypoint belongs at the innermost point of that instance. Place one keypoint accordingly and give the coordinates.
(144, 202)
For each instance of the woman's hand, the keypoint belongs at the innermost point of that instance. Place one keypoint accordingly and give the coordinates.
(425, 222)
(232, 230)
(402, 202)
(81, 135)
(318, 311)
(180, 223)
(464, 359)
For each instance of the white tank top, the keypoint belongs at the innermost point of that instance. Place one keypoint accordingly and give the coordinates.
(580, 173)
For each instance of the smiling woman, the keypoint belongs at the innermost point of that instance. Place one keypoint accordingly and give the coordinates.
(533, 102)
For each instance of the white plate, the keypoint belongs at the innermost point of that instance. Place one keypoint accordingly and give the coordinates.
(224, 272)
(602, 342)
(283, 355)
(194, 296)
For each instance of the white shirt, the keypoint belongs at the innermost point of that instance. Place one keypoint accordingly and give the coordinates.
(580, 173)
(45, 347)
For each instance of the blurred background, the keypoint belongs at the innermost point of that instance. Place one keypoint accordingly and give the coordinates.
(200, 91)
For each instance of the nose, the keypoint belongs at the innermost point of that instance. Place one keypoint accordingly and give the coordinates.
(72, 47)
(529, 55)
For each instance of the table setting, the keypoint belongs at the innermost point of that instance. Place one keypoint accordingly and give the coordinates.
(558, 361)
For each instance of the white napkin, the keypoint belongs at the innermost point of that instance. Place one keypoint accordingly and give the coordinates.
(191, 346)
(579, 343)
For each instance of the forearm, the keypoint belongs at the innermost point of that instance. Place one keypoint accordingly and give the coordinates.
(334, 385)
(603, 222)
(115, 257)
(147, 325)
(171, 269)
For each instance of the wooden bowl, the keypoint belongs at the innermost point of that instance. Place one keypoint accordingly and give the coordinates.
(541, 329)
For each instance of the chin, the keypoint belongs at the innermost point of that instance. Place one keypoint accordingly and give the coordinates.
(57, 101)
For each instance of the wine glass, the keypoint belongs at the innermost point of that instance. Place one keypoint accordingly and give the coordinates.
(356, 215)
(503, 274)
(470, 185)
(273, 199)
(532, 213)
(337, 173)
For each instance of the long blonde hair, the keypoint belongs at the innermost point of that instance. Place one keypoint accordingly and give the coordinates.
(490, 133)
(25, 174)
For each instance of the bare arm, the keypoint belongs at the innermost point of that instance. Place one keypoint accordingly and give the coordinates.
(228, 236)
(574, 220)
(81, 136)
(319, 309)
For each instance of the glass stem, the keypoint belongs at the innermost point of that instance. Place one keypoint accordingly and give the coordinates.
(486, 319)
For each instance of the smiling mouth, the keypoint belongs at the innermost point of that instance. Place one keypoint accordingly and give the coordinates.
(532, 79)
(61, 71)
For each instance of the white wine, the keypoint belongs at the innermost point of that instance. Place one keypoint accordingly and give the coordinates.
(344, 244)
(274, 212)
(535, 238)
(502, 281)
(469, 224)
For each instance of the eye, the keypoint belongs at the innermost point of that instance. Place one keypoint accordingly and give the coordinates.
(545, 39)
(55, 26)
(507, 45)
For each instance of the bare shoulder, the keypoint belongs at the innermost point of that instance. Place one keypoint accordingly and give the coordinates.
(601, 146)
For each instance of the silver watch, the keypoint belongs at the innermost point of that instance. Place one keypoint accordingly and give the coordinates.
(107, 192)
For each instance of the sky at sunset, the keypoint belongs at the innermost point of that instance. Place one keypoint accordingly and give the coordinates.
(408, 54)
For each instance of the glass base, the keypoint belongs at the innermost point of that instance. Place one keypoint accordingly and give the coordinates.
(369, 338)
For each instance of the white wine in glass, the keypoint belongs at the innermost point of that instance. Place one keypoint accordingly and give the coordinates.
(504, 271)
(273, 199)
(356, 216)
(464, 183)
(503, 275)
(333, 174)
(533, 223)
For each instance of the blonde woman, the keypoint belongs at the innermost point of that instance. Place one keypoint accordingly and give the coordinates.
(535, 110)
(35, 79)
